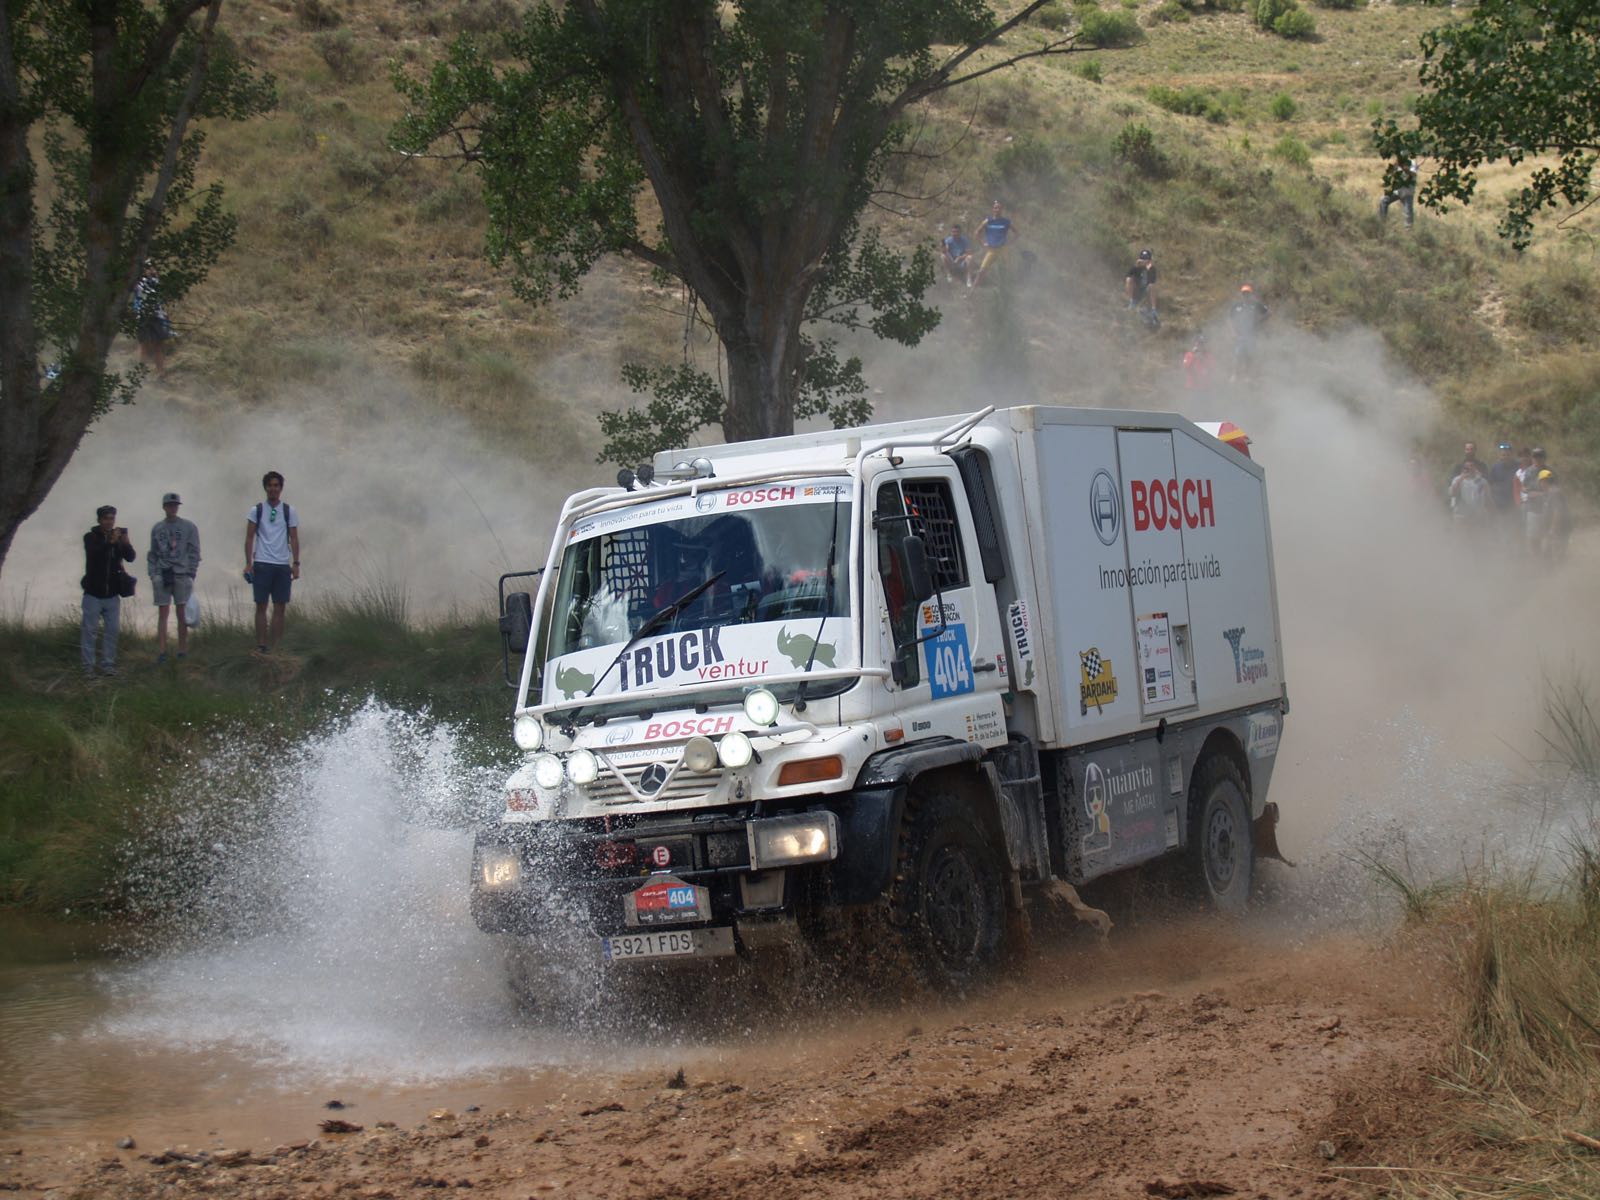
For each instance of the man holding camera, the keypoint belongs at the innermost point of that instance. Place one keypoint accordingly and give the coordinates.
(173, 560)
(105, 583)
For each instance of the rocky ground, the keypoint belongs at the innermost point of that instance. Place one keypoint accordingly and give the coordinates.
(1183, 1061)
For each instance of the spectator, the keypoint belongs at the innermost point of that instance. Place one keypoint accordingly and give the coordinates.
(105, 548)
(1469, 496)
(1469, 453)
(173, 560)
(1558, 521)
(1246, 315)
(1198, 365)
(1534, 511)
(1140, 288)
(1400, 182)
(957, 256)
(271, 558)
(996, 232)
(155, 330)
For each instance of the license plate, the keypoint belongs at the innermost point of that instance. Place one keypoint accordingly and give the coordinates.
(666, 944)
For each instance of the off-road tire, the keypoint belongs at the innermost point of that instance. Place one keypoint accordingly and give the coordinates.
(1221, 845)
(947, 903)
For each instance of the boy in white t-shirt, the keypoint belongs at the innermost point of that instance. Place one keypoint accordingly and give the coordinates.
(271, 558)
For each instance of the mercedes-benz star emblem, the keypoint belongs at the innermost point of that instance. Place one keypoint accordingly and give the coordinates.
(653, 779)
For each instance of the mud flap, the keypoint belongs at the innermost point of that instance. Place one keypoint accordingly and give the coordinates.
(1265, 834)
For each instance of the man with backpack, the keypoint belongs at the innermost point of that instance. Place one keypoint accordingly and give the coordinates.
(271, 558)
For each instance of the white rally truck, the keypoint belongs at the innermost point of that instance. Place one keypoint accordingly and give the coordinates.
(906, 674)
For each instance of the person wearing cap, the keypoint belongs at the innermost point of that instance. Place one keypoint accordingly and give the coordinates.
(1246, 315)
(173, 561)
(1139, 286)
(105, 548)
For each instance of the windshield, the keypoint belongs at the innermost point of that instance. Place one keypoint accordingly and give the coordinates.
(754, 564)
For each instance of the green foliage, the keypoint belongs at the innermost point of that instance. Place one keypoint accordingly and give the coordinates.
(682, 400)
(1341, 5)
(1557, 300)
(317, 14)
(1054, 15)
(1189, 102)
(1024, 165)
(1170, 10)
(348, 61)
(1107, 29)
(1514, 80)
(1091, 70)
(1264, 12)
(1296, 23)
(1282, 107)
(1136, 146)
(1292, 151)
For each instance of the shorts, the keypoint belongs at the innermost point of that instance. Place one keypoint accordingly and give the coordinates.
(177, 594)
(990, 253)
(271, 582)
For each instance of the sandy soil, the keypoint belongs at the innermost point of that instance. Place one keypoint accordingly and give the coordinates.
(1184, 1060)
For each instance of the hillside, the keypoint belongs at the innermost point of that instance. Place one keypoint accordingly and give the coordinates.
(350, 257)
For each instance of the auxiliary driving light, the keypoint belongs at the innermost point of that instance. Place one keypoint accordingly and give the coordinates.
(735, 750)
(582, 766)
(784, 841)
(548, 772)
(699, 755)
(761, 706)
(527, 733)
(498, 868)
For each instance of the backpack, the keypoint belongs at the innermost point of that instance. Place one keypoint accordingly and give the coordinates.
(287, 513)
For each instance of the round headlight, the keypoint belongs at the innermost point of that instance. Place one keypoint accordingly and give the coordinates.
(735, 749)
(761, 706)
(527, 732)
(547, 771)
(582, 766)
(699, 755)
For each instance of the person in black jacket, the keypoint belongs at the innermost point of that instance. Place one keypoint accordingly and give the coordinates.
(105, 548)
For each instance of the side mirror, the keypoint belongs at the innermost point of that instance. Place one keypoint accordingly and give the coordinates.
(919, 580)
(516, 623)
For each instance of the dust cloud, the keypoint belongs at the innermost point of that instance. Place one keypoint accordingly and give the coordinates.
(391, 492)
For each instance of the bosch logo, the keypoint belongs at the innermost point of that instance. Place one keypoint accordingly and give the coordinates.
(705, 501)
(617, 736)
(1105, 508)
(661, 856)
(653, 779)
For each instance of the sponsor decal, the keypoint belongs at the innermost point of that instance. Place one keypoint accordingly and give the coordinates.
(688, 727)
(615, 737)
(1150, 573)
(752, 496)
(1098, 839)
(1153, 632)
(1097, 684)
(572, 682)
(1134, 787)
(1020, 622)
(661, 856)
(1263, 739)
(934, 615)
(666, 899)
(654, 778)
(705, 501)
(949, 663)
(1171, 504)
(1249, 662)
(521, 800)
(796, 647)
(921, 726)
(1105, 507)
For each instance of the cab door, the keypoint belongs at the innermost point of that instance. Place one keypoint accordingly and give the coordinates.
(947, 649)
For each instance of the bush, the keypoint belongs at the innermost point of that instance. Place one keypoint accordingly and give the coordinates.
(1025, 163)
(1190, 102)
(316, 14)
(1170, 10)
(1283, 107)
(1264, 12)
(1292, 151)
(1296, 23)
(344, 57)
(1090, 69)
(1136, 146)
(1107, 29)
(1054, 15)
(1342, 5)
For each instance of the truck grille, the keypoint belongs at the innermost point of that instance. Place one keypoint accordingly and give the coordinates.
(680, 785)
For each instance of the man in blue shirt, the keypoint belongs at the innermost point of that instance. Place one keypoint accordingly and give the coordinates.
(995, 232)
(957, 256)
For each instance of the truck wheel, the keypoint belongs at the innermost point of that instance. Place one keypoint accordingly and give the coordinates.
(946, 902)
(1220, 844)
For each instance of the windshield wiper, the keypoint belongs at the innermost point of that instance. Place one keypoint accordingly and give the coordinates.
(827, 610)
(650, 626)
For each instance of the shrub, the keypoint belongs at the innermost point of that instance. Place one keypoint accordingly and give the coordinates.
(316, 14)
(1292, 151)
(1090, 69)
(1296, 23)
(1107, 29)
(1054, 15)
(1343, 5)
(1170, 10)
(345, 59)
(1136, 146)
(1264, 12)
(1025, 162)
(1190, 102)
(1283, 107)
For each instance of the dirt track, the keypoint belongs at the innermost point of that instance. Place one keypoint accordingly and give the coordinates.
(1184, 1060)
